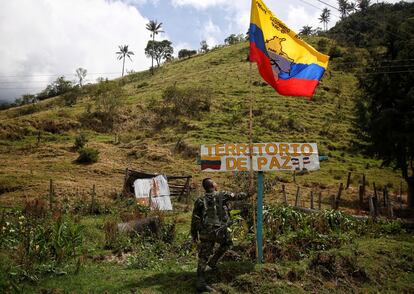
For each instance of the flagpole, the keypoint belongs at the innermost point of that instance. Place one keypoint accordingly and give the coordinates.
(251, 173)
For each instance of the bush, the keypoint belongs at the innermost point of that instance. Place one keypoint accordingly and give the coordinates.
(88, 155)
(80, 141)
(71, 97)
(183, 53)
(190, 102)
(108, 97)
(335, 52)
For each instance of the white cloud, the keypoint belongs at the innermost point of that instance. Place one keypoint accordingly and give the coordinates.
(211, 33)
(299, 17)
(55, 37)
(199, 4)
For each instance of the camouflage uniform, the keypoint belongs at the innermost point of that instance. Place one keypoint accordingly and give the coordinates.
(209, 225)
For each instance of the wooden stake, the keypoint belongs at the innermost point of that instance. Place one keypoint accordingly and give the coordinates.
(338, 196)
(390, 209)
(375, 202)
(297, 196)
(348, 180)
(320, 200)
(311, 199)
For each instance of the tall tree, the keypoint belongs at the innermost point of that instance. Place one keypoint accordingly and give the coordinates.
(363, 5)
(306, 31)
(159, 50)
(155, 28)
(385, 109)
(81, 74)
(122, 53)
(204, 46)
(324, 18)
(344, 8)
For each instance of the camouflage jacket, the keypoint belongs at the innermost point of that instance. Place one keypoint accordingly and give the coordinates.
(211, 210)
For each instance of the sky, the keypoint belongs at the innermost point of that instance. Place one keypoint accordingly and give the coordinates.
(44, 39)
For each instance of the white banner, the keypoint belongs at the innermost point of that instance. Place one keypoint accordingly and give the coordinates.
(265, 157)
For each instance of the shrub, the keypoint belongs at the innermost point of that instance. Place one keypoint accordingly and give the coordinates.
(88, 155)
(40, 244)
(108, 97)
(183, 53)
(71, 97)
(335, 52)
(80, 141)
(190, 102)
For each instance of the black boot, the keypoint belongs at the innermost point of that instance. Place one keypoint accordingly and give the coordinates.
(202, 285)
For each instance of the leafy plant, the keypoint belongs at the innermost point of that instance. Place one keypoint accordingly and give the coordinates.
(80, 141)
(88, 155)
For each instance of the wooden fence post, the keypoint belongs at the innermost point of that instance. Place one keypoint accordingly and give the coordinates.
(319, 200)
(385, 195)
(311, 199)
(51, 192)
(332, 198)
(297, 196)
(285, 199)
(338, 196)
(294, 176)
(390, 209)
(348, 180)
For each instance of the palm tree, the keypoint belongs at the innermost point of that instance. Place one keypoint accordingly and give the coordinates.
(154, 27)
(123, 52)
(325, 17)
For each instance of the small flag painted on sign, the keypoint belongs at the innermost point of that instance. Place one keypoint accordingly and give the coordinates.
(211, 162)
(306, 160)
(295, 163)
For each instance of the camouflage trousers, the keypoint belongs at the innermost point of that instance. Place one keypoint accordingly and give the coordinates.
(208, 239)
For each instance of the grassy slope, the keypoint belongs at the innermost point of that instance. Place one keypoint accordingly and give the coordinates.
(326, 120)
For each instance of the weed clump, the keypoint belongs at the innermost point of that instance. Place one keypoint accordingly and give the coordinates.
(88, 155)
(292, 235)
(189, 102)
(80, 141)
(42, 243)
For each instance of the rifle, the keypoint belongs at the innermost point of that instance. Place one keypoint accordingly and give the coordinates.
(225, 226)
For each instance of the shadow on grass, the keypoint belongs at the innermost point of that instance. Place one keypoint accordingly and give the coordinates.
(184, 282)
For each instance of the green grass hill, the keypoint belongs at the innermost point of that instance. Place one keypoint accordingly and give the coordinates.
(158, 122)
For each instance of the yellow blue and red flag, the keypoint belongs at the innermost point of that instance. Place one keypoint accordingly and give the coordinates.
(286, 62)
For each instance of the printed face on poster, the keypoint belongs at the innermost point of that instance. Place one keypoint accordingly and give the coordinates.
(265, 157)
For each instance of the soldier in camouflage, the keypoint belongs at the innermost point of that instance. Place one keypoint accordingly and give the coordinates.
(209, 224)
